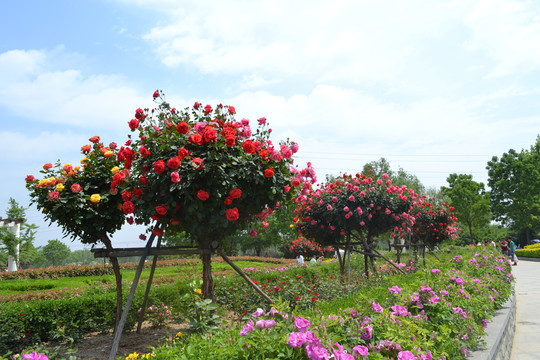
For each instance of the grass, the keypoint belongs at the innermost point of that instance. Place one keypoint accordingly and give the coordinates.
(168, 273)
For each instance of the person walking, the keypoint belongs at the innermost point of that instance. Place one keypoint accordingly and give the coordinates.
(504, 246)
(512, 251)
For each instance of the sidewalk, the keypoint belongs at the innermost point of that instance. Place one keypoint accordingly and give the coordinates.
(526, 344)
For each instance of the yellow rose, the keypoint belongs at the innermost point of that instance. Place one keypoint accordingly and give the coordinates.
(179, 334)
(291, 226)
(115, 169)
(77, 168)
(84, 159)
(42, 182)
(95, 198)
(198, 291)
(59, 187)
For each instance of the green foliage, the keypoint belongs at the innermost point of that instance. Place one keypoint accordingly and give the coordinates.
(56, 252)
(470, 201)
(514, 180)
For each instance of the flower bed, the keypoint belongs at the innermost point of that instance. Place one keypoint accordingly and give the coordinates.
(532, 251)
(438, 312)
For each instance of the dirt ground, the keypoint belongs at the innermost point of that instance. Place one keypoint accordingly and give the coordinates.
(97, 346)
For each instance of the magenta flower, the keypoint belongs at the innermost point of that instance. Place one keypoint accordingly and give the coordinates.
(361, 351)
(297, 339)
(399, 311)
(35, 356)
(258, 313)
(406, 355)
(302, 324)
(317, 352)
(376, 307)
(394, 289)
(247, 328)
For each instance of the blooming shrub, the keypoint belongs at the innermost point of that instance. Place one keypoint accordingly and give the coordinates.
(158, 315)
(306, 248)
(78, 198)
(200, 170)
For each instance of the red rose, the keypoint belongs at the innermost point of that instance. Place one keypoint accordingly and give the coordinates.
(232, 110)
(202, 195)
(235, 193)
(183, 127)
(47, 166)
(128, 207)
(228, 200)
(156, 94)
(30, 178)
(195, 139)
(182, 153)
(263, 153)
(139, 114)
(196, 105)
(232, 214)
(86, 148)
(158, 232)
(228, 131)
(209, 134)
(173, 163)
(126, 195)
(133, 124)
(94, 139)
(130, 220)
(197, 163)
(248, 147)
(295, 182)
(138, 192)
(161, 209)
(54, 195)
(230, 141)
(175, 177)
(207, 109)
(143, 180)
(269, 172)
(159, 166)
(144, 152)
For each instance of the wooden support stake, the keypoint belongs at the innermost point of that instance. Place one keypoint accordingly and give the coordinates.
(147, 292)
(123, 318)
(242, 274)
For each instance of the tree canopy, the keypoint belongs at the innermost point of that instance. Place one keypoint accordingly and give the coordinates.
(514, 180)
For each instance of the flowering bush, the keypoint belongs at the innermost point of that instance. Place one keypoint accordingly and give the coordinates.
(78, 198)
(158, 315)
(306, 248)
(201, 171)
(434, 222)
(353, 208)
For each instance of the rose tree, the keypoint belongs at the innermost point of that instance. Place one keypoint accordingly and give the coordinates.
(78, 198)
(201, 171)
(354, 208)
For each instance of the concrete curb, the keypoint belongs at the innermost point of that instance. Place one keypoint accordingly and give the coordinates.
(500, 334)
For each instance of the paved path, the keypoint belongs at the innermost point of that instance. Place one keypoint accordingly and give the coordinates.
(526, 344)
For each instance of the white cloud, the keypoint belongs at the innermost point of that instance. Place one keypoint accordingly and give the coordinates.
(508, 32)
(31, 88)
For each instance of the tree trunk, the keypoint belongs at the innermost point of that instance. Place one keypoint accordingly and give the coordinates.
(118, 278)
(470, 232)
(208, 281)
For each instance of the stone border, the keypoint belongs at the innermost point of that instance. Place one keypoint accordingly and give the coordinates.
(499, 334)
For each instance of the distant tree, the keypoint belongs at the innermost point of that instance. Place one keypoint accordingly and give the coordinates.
(82, 257)
(377, 169)
(514, 180)
(470, 200)
(56, 252)
(26, 237)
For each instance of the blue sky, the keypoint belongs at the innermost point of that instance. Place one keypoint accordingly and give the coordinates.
(435, 87)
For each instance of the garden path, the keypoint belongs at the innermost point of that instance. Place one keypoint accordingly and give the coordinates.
(526, 344)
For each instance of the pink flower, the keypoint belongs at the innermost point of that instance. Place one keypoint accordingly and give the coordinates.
(376, 307)
(394, 289)
(258, 313)
(329, 207)
(296, 339)
(361, 350)
(35, 356)
(175, 177)
(301, 324)
(262, 121)
(399, 311)
(406, 355)
(76, 188)
(53, 195)
(247, 328)
(317, 352)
